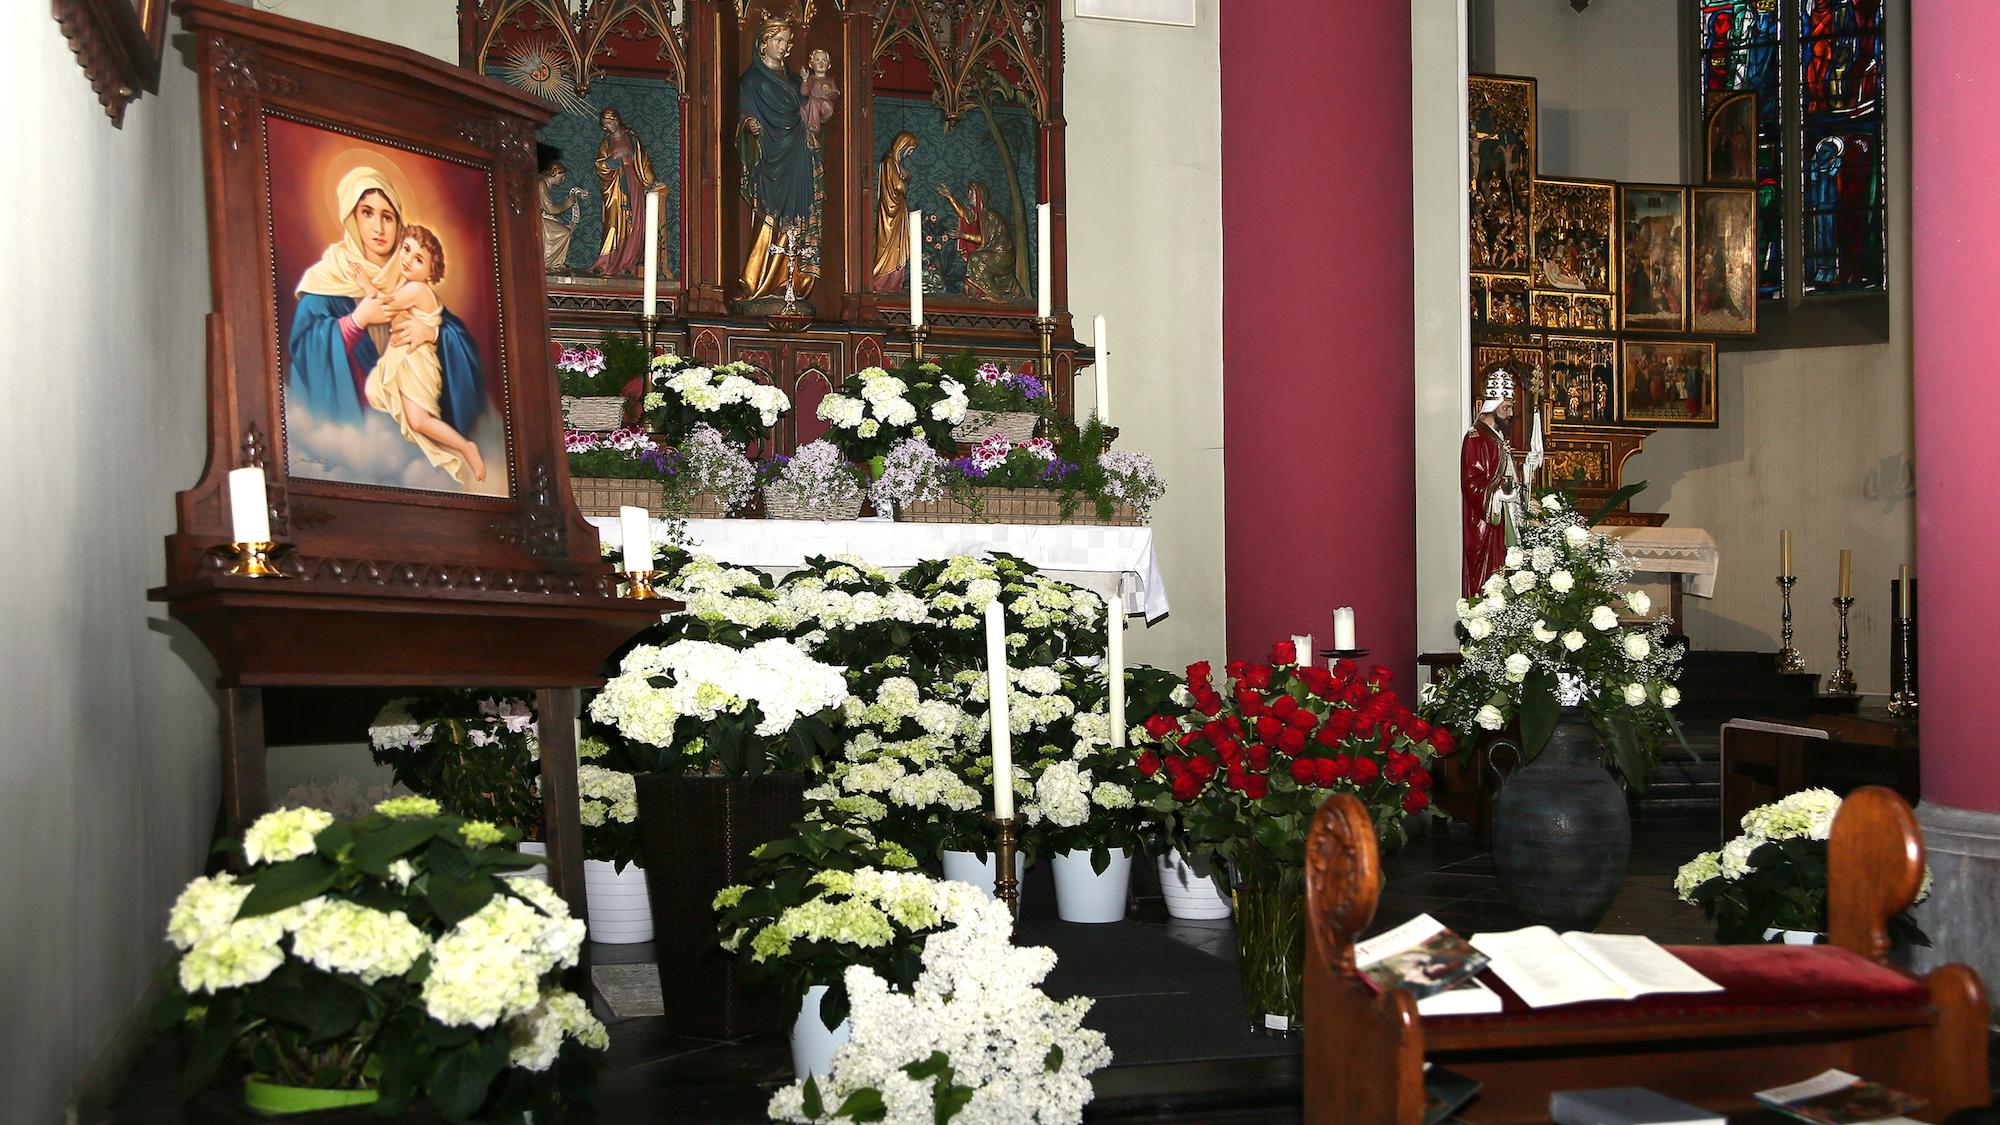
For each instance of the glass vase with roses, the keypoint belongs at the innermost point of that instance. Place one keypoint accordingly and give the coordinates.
(1239, 775)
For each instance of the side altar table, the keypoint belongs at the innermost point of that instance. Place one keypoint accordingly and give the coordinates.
(1114, 561)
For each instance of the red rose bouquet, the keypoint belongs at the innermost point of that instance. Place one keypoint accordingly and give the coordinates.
(1239, 775)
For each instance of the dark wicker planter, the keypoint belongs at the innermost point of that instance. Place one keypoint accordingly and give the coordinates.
(698, 833)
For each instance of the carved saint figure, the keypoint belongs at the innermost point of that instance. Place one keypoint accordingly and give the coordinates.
(560, 211)
(1489, 488)
(986, 244)
(892, 217)
(627, 176)
(784, 180)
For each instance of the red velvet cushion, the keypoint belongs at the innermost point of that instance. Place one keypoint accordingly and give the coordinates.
(1754, 978)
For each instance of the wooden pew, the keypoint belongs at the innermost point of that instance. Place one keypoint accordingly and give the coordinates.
(1787, 1012)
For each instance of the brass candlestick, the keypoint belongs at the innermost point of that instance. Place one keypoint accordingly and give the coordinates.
(642, 584)
(918, 333)
(1842, 680)
(253, 560)
(1789, 659)
(1045, 326)
(1903, 704)
(1006, 888)
(649, 327)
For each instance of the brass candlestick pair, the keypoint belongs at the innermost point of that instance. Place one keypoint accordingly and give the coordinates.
(1006, 888)
(643, 585)
(253, 560)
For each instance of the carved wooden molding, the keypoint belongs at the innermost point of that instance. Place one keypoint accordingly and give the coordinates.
(117, 42)
(241, 81)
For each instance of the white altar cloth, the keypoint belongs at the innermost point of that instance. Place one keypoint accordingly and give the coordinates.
(1687, 551)
(1114, 561)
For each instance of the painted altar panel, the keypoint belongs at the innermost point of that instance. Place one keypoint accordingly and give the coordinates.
(977, 192)
(1501, 139)
(576, 198)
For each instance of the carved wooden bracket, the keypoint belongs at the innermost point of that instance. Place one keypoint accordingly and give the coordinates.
(117, 42)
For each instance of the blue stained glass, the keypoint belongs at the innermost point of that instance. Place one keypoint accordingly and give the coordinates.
(1841, 178)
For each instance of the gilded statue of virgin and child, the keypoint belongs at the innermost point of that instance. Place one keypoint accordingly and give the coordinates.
(784, 174)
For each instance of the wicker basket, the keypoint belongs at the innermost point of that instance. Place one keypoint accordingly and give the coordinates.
(604, 496)
(780, 504)
(978, 425)
(697, 834)
(1013, 505)
(593, 413)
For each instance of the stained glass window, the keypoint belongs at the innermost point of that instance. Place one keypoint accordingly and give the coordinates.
(1840, 104)
(1817, 69)
(1740, 50)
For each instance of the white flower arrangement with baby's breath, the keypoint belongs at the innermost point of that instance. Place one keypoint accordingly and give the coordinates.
(1547, 632)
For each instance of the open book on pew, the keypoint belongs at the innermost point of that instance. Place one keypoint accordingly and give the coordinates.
(1545, 968)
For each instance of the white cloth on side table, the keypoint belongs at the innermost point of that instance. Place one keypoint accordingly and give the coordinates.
(1686, 551)
(1114, 561)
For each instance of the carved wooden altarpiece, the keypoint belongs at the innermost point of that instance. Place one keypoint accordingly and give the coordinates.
(402, 565)
(957, 96)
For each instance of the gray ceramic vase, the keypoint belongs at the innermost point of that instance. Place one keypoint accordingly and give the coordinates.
(1562, 835)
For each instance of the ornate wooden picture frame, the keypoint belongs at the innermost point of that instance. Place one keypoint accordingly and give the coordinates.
(379, 330)
(1582, 381)
(118, 44)
(1667, 383)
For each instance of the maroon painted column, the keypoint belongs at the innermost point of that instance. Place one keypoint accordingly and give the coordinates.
(1955, 157)
(1955, 162)
(1319, 407)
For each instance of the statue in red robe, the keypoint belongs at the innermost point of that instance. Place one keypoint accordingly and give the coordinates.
(1489, 487)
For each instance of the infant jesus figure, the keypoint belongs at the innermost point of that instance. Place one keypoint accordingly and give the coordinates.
(407, 382)
(819, 94)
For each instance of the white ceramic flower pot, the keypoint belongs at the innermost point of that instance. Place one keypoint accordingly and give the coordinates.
(1189, 888)
(619, 911)
(812, 1044)
(1792, 937)
(1083, 895)
(540, 872)
(967, 867)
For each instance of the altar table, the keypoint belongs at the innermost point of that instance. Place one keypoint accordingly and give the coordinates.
(1688, 552)
(1114, 561)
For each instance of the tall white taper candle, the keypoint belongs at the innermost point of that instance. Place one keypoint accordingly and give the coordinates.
(652, 253)
(1103, 370)
(916, 269)
(636, 528)
(1044, 259)
(996, 694)
(249, 508)
(1114, 666)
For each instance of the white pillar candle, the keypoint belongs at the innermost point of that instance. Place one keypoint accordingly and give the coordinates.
(1343, 629)
(996, 695)
(1302, 649)
(249, 508)
(1103, 371)
(652, 252)
(637, 529)
(916, 269)
(1044, 259)
(1114, 666)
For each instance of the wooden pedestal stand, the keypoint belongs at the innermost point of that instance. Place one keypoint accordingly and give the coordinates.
(424, 583)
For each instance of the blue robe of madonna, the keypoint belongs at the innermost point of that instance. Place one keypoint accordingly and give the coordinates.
(320, 372)
(781, 183)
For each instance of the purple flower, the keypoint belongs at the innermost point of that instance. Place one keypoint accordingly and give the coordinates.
(1030, 387)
